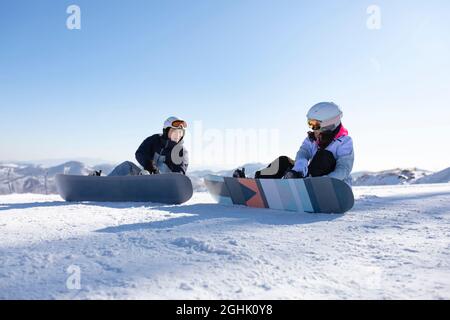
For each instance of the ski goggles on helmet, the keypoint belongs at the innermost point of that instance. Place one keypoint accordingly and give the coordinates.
(315, 124)
(179, 124)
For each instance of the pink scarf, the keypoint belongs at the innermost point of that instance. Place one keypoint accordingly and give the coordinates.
(342, 133)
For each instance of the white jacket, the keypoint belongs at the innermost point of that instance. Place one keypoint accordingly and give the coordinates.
(342, 150)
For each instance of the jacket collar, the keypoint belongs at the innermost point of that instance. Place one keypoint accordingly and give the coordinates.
(342, 132)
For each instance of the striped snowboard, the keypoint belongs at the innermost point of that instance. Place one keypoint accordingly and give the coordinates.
(313, 195)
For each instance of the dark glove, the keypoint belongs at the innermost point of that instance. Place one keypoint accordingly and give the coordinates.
(152, 168)
(292, 174)
(239, 173)
(96, 173)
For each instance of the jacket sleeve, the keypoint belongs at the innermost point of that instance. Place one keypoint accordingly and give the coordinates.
(344, 162)
(303, 157)
(146, 152)
(179, 161)
(185, 164)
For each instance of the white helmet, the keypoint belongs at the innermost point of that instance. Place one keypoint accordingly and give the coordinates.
(175, 123)
(324, 116)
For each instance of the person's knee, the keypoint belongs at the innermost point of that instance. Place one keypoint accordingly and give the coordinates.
(282, 161)
(285, 158)
(286, 161)
(322, 164)
(276, 169)
(125, 168)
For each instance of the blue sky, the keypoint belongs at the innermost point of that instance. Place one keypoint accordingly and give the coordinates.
(233, 64)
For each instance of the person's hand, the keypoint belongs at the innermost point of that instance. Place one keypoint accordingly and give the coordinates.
(239, 173)
(152, 169)
(292, 174)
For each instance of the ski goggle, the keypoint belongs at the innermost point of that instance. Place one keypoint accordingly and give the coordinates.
(179, 124)
(315, 124)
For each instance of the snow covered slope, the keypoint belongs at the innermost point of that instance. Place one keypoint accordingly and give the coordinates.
(394, 244)
(30, 178)
(388, 177)
(438, 177)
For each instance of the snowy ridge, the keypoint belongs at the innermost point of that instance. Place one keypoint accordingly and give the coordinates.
(30, 178)
(438, 177)
(389, 177)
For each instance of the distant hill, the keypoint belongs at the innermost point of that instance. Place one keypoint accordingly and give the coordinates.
(438, 177)
(31, 178)
(389, 177)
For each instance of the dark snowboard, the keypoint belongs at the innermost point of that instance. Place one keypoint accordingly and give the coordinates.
(313, 195)
(169, 188)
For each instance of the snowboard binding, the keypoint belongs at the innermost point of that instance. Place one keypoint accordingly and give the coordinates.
(96, 173)
(239, 173)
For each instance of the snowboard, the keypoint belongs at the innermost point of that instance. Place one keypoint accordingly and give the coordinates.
(312, 195)
(171, 188)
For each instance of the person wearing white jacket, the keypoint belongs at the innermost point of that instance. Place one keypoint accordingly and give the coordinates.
(327, 151)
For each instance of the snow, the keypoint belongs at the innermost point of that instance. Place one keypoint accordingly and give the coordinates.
(390, 177)
(438, 177)
(9, 165)
(394, 244)
(32, 178)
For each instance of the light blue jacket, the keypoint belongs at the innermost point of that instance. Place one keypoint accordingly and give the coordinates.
(342, 150)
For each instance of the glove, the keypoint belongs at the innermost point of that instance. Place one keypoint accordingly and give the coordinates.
(152, 169)
(238, 173)
(96, 173)
(292, 174)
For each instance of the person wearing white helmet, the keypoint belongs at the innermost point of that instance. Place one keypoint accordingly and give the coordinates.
(160, 153)
(327, 151)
